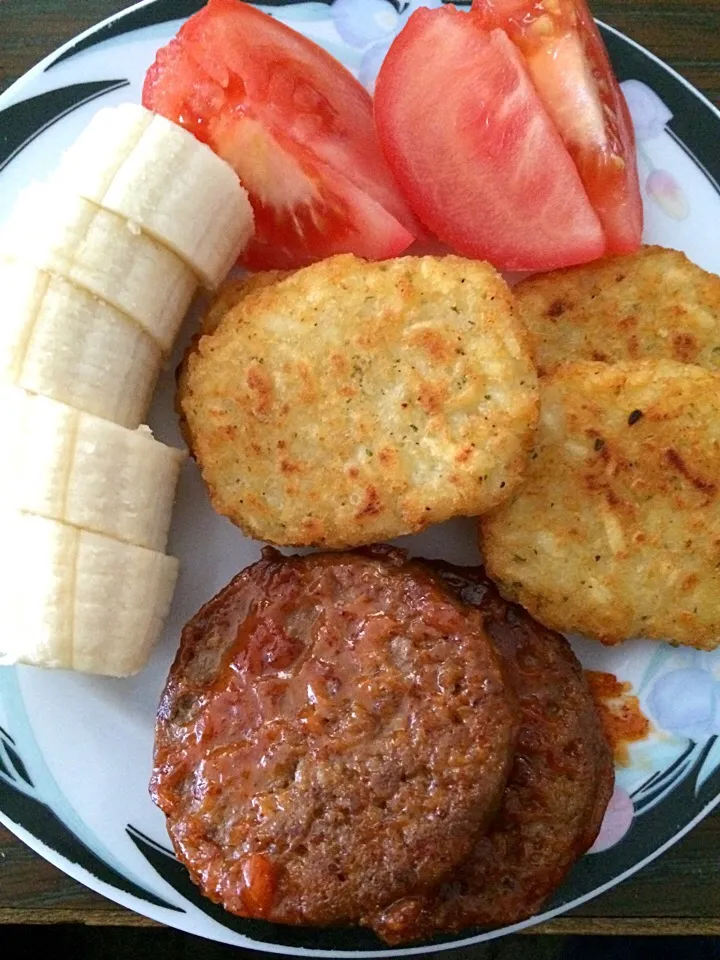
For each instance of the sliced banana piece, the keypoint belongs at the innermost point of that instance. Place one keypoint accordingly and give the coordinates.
(71, 466)
(157, 175)
(58, 340)
(76, 600)
(102, 252)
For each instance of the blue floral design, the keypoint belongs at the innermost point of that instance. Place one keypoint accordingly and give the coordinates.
(650, 115)
(371, 26)
(364, 22)
(686, 702)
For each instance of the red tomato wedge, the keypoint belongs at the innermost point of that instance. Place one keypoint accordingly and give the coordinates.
(295, 125)
(572, 73)
(478, 156)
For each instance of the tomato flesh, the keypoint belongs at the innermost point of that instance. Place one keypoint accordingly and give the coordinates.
(571, 71)
(477, 154)
(297, 128)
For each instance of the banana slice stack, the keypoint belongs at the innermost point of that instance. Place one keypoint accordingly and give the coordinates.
(98, 266)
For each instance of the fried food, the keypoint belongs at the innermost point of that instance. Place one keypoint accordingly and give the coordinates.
(559, 787)
(616, 531)
(354, 401)
(653, 304)
(233, 291)
(335, 732)
(230, 294)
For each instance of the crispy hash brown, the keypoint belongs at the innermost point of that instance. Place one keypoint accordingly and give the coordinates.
(353, 402)
(230, 294)
(653, 304)
(233, 291)
(616, 532)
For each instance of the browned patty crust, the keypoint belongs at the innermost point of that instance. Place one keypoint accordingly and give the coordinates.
(559, 786)
(334, 734)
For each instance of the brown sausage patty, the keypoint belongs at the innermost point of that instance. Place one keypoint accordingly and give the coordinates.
(334, 734)
(559, 786)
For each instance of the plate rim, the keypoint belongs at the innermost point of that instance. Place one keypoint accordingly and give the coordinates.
(131, 902)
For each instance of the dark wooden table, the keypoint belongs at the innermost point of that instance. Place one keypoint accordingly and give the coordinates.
(680, 893)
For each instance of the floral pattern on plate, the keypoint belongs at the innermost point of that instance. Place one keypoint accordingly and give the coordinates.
(672, 776)
(650, 117)
(371, 26)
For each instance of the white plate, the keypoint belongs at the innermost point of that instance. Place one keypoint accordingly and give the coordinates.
(75, 751)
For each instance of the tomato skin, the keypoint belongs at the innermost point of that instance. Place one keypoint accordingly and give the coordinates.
(295, 125)
(466, 154)
(572, 72)
(333, 217)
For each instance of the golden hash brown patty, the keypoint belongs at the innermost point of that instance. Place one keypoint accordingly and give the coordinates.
(353, 402)
(233, 291)
(616, 531)
(230, 294)
(653, 304)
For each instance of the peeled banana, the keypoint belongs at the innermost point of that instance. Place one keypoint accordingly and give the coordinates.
(104, 254)
(62, 342)
(77, 600)
(88, 472)
(98, 266)
(158, 176)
